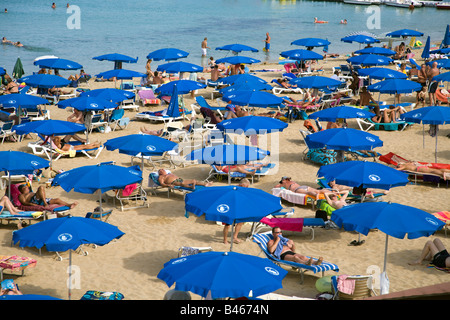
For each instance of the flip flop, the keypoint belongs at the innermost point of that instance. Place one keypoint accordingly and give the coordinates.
(353, 243)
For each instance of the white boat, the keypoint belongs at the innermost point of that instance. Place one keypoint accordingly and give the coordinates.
(403, 3)
(362, 2)
(428, 3)
(443, 5)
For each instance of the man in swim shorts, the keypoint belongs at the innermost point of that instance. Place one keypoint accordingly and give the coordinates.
(433, 85)
(267, 43)
(284, 249)
(28, 198)
(436, 252)
(204, 46)
(170, 180)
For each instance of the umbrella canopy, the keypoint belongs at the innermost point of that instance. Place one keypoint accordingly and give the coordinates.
(442, 77)
(18, 69)
(395, 86)
(340, 112)
(301, 54)
(236, 47)
(238, 60)
(426, 50)
(360, 38)
(179, 66)
(87, 103)
(252, 125)
(311, 42)
(441, 63)
(27, 297)
(103, 177)
(315, 82)
(144, 144)
(370, 60)
(16, 162)
(376, 50)
(44, 81)
(428, 115)
(116, 57)
(246, 86)
(183, 87)
(440, 51)
(15, 100)
(2, 71)
(167, 54)
(239, 78)
(49, 127)
(57, 63)
(253, 98)
(121, 74)
(232, 204)
(404, 33)
(382, 73)
(110, 94)
(227, 154)
(223, 274)
(343, 139)
(446, 40)
(364, 174)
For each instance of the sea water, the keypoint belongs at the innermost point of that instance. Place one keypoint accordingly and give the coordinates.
(138, 27)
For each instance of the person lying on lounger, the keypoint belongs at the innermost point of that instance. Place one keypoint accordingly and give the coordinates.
(5, 203)
(28, 198)
(242, 168)
(415, 166)
(61, 144)
(286, 183)
(284, 249)
(368, 192)
(436, 252)
(170, 180)
(335, 201)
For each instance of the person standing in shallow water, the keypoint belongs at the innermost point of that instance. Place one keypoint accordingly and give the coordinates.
(267, 43)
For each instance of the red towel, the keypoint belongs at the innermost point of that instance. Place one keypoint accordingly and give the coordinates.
(288, 224)
(129, 189)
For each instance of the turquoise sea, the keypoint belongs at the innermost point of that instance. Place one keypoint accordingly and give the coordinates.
(138, 27)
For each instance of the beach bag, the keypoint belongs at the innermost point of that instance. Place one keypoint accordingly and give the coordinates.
(322, 215)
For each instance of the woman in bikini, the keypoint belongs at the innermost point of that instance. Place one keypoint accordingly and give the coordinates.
(295, 187)
(242, 168)
(415, 166)
(60, 144)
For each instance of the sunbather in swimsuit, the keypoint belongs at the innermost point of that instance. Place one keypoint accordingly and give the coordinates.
(295, 187)
(423, 168)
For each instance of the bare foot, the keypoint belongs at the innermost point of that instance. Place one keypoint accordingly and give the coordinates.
(73, 205)
(414, 263)
(319, 261)
(209, 184)
(236, 241)
(309, 262)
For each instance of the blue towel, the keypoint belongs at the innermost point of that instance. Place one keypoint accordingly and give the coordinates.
(281, 244)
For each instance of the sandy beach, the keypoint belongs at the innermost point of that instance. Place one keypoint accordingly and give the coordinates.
(153, 235)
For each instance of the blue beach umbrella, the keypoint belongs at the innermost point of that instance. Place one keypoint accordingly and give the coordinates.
(44, 81)
(240, 78)
(87, 103)
(442, 77)
(433, 115)
(57, 63)
(167, 54)
(260, 99)
(246, 86)
(49, 127)
(376, 50)
(121, 74)
(395, 86)
(382, 73)
(446, 40)
(27, 297)
(441, 63)
(110, 94)
(116, 57)
(223, 274)
(403, 33)
(15, 100)
(343, 139)
(393, 219)
(173, 110)
(238, 60)
(426, 50)
(340, 112)
(311, 42)
(301, 54)
(364, 174)
(179, 66)
(360, 38)
(140, 145)
(315, 82)
(252, 125)
(370, 60)
(441, 51)
(236, 47)
(66, 233)
(227, 154)
(2, 71)
(183, 87)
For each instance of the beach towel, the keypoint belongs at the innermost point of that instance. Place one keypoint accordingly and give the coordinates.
(290, 196)
(16, 263)
(345, 285)
(394, 159)
(322, 156)
(23, 214)
(443, 216)
(283, 241)
(430, 265)
(128, 190)
(288, 224)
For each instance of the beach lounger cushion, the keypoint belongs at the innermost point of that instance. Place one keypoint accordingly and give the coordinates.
(322, 156)
(101, 295)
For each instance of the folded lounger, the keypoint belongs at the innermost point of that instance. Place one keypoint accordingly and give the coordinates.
(262, 239)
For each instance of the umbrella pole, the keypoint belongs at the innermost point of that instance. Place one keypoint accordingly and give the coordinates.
(232, 235)
(9, 185)
(229, 177)
(70, 273)
(435, 150)
(423, 134)
(385, 252)
(100, 201)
